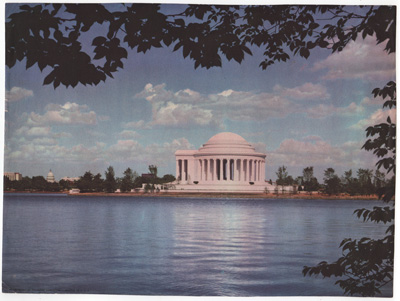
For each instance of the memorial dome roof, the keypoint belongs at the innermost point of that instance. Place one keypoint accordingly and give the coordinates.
(227, 138)
(227, 143)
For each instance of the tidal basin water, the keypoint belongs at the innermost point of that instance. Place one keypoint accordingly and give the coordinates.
(174, 246)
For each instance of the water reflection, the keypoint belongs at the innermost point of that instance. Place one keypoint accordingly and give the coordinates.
(155, 246)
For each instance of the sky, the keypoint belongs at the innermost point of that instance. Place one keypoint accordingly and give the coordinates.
(300, 113)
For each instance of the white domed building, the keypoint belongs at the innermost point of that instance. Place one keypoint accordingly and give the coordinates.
(225, 163)
(50, 177)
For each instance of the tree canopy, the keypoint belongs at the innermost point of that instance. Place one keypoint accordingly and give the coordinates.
(366, 264)
(332, 181)
(54, 36)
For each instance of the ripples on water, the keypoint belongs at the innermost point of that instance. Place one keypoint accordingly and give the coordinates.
(174, 246)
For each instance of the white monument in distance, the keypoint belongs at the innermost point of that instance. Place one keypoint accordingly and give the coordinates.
(225, 163)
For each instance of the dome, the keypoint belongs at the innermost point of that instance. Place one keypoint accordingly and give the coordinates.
(226, 138)
(226, 143)
(50, 177)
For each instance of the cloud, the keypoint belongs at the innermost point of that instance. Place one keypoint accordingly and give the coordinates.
(360, 59)
(18, 93)
(33, 131)
(312, 138)
(125, 150)
(141, 124)
(379, 116)
(45, 151)
(372, 101)
(162, 154)
(190, 108)
(44, 141)
(68, 114)
(42, 150)
(317, 152)
(323, 110)
(241, 105)
(307, 91)
(36, 131)
(172, 114)
(174, 109)
(159, 154)
(127, 134)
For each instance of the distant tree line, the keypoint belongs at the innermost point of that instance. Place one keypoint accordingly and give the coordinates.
(90, 182)
(366, 183)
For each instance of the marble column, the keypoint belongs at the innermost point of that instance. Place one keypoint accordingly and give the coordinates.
(177, 169)
(215, 171)
(244, 163)
(221, 174)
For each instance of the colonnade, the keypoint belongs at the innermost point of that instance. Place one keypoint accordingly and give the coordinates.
(212, 170)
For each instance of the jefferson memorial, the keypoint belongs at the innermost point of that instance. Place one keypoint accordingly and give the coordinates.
(226, 162)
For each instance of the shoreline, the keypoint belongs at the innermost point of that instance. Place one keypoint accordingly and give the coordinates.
(216, 195)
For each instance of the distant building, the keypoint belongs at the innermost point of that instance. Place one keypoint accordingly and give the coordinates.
(13, 176)
(50, 177)
(148, 176)
(71, 179)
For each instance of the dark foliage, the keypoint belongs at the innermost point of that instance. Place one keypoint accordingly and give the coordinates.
(367, 264)
(110, 183)
(90, 183)
(309, 181)
(127, 182)
(332, 182)
(52, 35)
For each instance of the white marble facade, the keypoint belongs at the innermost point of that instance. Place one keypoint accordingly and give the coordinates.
(224, 159)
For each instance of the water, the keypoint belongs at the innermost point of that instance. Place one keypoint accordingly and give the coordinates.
(174, 246)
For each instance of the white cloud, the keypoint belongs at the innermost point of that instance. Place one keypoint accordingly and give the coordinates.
(190, 108)
(361, 59)
(307, 91)
(47, 150)
(173, 109)
(68, 114)
(323, 110)
(128, 134)
(372, 101)
(159, 154)
(18, 93)
(162, 154)
(317, 152)
(44, 141)
(125, 150)
(141, 124)
(226, 93)
(379, 116)
(33, 131)
(172, 114)
(239, 105)
(44, 151)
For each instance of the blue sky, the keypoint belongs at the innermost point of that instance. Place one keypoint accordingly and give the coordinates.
(300, 113)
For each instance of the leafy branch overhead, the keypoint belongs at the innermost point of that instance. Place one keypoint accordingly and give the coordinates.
(53, 35)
